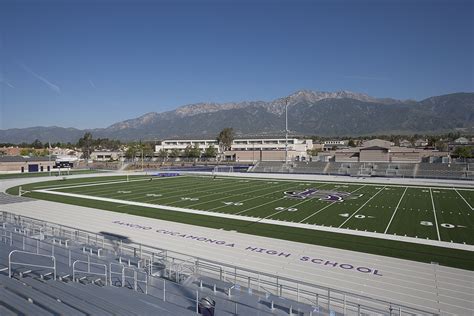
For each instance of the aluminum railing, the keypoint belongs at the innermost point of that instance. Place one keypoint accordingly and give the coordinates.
(25, 263)
(257, 281)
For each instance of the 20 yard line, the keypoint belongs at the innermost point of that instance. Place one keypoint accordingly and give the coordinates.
(434, 212)
(396, 208)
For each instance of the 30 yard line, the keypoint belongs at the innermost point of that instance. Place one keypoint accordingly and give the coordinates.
(396, 208)
(362, 206)
(434, 212)
(462, 197)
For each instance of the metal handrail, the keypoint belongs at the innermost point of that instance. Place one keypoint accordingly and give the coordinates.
(89, 264)
(207, 263)
(366, 308)
(10, 262)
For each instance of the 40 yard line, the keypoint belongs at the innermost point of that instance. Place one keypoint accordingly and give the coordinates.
(325, 207)
(434, 212)
(462, 197)
(362, 206)
(396, 208)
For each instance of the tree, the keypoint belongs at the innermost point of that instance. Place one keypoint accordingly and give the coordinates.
(225, 138)
(195, 151)
(174, 153)
(147, 150)
(210, 152)
(187, 151)
(464, 151)
(25, 152)
(314, 151)
(131, 152)
(432, 141)
(163, 154)
(37, 144)
(43, 153)
(441, 146)
(351, 143)
(85, 143)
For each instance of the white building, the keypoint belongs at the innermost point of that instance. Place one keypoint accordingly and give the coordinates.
(335, 142)
(102, 155)
(247, 149)
(181, 144)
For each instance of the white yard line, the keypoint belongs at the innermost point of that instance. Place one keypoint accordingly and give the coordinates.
(396, 208)
(362, 206)
(462, 197)
(249, 209)
(328, 205)
(271, 221)
(286, 209)
(434, 212)
(245, 200)
(283, 198)
(322, 209)
(240, 187)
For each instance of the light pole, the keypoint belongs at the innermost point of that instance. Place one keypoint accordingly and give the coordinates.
(142, 156)
(49, 162)
(286, 130)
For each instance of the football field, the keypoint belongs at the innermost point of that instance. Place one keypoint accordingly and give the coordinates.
(438, 214)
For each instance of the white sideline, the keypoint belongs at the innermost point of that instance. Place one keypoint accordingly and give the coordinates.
(270, 221)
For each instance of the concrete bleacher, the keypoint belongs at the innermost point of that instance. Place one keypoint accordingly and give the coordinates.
(40, 276)
(316, 167)
(441, 171)
(33, 287)
(375, 169)
(270, 167)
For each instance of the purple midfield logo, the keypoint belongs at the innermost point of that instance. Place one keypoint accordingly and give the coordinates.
(301, 194)
(323, 195)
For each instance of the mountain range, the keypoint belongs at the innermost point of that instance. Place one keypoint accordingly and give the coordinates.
(341, 113)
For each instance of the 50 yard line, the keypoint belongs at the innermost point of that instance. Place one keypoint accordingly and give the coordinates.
(396, 208)
(434, 212)
(325, 207)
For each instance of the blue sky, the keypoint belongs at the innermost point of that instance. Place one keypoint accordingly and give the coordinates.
(89, 64)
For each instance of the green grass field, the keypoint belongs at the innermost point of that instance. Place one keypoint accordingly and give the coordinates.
(443, 214)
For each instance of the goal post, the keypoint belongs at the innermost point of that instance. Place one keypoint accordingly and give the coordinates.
(221, 169)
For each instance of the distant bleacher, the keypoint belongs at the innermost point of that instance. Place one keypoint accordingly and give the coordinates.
(49, 269)
(375, 169)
